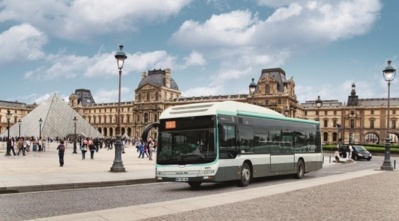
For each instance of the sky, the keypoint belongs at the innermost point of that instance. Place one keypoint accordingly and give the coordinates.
(213, 47)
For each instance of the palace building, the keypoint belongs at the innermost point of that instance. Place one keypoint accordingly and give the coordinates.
(356, 120)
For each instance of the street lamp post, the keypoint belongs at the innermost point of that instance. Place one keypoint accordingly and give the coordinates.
(319, 103)
(40, 128)
(287, 111)
(117, 166)
(252, 88)
(389, 74)
(75, 120)
(8, 116)
(19, 128)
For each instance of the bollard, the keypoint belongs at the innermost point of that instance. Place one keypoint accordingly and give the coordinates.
(394, 164)
(330, 159)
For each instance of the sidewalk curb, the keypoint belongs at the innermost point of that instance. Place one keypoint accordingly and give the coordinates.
(66, 186)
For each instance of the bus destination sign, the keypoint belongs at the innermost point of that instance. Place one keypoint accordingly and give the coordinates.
(170, 125)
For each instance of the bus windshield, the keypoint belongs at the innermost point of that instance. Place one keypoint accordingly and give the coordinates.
(184, 145)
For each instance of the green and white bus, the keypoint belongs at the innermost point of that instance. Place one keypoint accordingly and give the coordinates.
(224, 141)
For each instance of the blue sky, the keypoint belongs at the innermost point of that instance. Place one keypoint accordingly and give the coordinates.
(213, 47)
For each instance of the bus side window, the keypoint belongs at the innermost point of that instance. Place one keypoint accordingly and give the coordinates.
(227, 141)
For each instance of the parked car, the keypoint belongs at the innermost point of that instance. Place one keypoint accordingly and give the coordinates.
(342, 150)
(359, 152)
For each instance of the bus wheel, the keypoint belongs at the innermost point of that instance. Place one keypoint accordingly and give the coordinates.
(300, 169)
(245, 175)
(194, 184)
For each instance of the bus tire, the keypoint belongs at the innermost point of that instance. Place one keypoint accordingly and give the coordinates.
(194, 184)
(300, 170)
(246, 175)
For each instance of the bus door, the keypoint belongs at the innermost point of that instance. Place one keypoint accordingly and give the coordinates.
(281, 153)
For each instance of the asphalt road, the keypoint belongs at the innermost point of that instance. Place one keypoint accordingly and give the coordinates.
(33, 205)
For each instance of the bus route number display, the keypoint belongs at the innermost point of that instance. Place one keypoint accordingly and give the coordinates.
(170, 125)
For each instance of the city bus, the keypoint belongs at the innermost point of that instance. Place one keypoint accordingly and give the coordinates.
(233, 141)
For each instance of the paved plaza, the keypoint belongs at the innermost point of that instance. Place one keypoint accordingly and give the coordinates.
(331, 196)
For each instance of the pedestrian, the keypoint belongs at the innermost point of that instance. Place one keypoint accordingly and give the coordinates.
(20, 146)
(146, 149)
(92, 148)
(141, 149)
(61, 151)
(137, 144)
(337, 155)
(150, 148)
(350, 150)
(12, 144)
(44, 145)
(83, 149)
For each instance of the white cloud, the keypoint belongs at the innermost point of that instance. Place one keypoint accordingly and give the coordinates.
(21, 43)
(60, 66)
(104, 95)
(68, 66)
(194, 59)
(279, 3)
(202, 91)
(242, 42)
(81, 19)
(285, 13)
(225, 30)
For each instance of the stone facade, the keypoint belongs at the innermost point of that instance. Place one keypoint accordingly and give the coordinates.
(358, 121)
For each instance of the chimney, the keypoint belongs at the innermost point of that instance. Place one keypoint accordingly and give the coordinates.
(143, 75)
(167, 77)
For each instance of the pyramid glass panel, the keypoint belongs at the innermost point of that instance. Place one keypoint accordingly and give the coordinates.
(57, 121)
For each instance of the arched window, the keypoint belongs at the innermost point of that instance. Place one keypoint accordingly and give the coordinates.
(335, 136)
(371, 123)
(325, 136)
(267, 90)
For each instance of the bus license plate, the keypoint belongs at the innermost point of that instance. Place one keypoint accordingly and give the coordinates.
(181, 179)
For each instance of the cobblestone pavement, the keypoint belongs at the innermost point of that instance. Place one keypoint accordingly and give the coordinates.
(363, 199)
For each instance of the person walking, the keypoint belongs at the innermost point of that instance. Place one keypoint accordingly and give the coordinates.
(44, 145)
(141, 149)
(350, 150)
(150, 148)
(20, 146)
(83, 149)
(61, 151)
(92, 148)
(12, 144)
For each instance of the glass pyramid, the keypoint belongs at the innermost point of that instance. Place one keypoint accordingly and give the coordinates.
(57, 121)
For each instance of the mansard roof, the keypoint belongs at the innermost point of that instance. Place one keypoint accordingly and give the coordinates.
(157, 79)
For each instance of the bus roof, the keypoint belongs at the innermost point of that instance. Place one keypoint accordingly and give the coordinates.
(227, 108)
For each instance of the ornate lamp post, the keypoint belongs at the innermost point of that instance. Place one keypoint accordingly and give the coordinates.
(40, 128)
(319, 103)
(287, 111)
(252, 87)
(389, 74)
(19, 130)
(75, 120)
(117, 166)
(8, 116)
